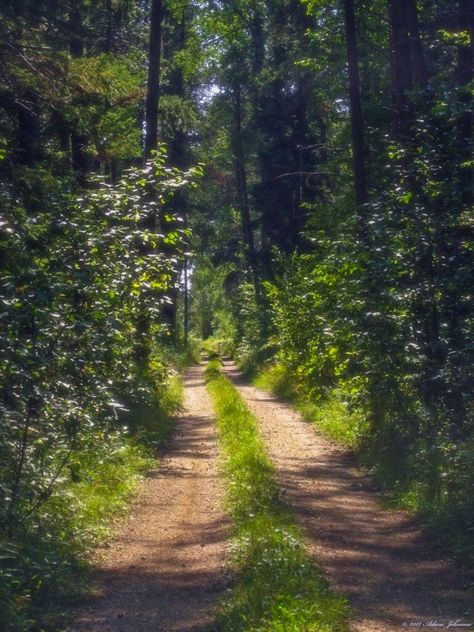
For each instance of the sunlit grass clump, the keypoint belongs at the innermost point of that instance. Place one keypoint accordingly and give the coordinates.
(277, 588)
(330, 416)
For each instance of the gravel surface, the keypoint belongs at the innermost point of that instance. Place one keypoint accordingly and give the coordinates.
(377, 558)
(166, 570)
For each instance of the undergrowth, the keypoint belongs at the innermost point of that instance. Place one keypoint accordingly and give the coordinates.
(278, 588)
(332, 415)
(217, 347)
(43, 562)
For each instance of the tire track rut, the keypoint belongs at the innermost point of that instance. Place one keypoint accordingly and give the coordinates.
(166, 570)
(376, 558)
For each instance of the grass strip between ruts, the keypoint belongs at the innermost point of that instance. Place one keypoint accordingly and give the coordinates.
(278, 587)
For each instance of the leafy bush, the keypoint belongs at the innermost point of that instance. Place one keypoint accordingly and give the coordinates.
(41, 558)
(81, 285)
(357, 360)
(332, 416)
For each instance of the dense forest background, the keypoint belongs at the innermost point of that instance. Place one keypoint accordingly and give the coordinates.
(292, 179)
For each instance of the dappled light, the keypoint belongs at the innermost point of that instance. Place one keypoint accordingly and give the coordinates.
(236, 315)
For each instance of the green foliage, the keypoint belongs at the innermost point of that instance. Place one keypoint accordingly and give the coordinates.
(151, 419)
(359, 376)
(74, 76)
(217, 347)
(277, 379)
(88, 376)
(334, 419)
(313, 305)
(176, 115)
(447, 511)
(366, 312)
(113, 86)
(41, 563)
(278, 588)
(211, 306)
(252, 346)
(77, 274)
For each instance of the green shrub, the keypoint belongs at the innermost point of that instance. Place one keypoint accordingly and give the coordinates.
(41, 558)
(432, 479)
(331, 415)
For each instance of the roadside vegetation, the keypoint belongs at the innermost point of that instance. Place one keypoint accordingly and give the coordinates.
(44, 558)
(346, 170)
(443, 508)
(277, 586)
(332, 416)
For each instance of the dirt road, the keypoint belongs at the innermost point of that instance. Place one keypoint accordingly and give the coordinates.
(165, 572)
(377, 558)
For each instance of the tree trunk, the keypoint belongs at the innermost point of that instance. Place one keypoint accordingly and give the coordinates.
(28, 129)
(241, 185)
(79, 159)
(465, 123)
(357, 122)
(258, 41)
(420, 68)
(143, 324)
(109, 32)
(186, 302)
(153, 85)
(178, 157)
(402, 70)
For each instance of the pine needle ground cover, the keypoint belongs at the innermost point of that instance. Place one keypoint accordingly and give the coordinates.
(278, 588)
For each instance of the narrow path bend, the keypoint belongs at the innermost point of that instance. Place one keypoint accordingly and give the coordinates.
(376, 558)
(165, 572)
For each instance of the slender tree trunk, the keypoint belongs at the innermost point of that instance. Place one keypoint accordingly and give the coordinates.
(29, 129)
(402, 69)
(178, 157)
(154, 72)
(26, 108)
(110, 26)
(358, 145)
(79, 158)
(143, 324)
(420, 68)
(258, 60)
(258, 41)
(242, 188)
(465, 75)
(186, 302)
